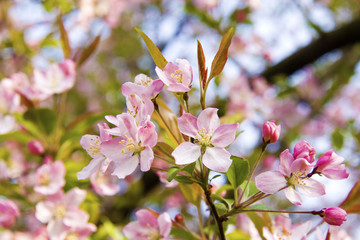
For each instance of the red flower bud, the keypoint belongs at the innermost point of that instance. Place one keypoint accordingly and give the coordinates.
(334, 215)
(271, 131)
(36, 147)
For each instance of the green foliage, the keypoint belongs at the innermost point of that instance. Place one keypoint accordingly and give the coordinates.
(337, 139)
(191, 192)
(172, 172)
(238, 235)
(238, 171)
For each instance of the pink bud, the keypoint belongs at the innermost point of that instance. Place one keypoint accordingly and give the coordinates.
(271, 131)
(334, 215)
(36, 147)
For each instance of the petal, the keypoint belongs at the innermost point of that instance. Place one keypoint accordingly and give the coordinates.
(165, 224)
(75, 218)
(336, 174)
(91, 143)
(74, 197)
(134, 230)
(311, 188)
(146, 159)
(177, 87)
(163, 77)
(92, 167)
(217, 159)
(188, 125)
(301, 165)
(112, 149)
(186, 153)
(146, 218)
(56, 229)
(208, 119)
(104, 135)
(186, 70)
(299, 231)
(126, 167)
(147, 134)
(286, 158)
(129, 125)
(270, 182)
(155, 88)
(225, 135)
(44, 211)
(293, 196)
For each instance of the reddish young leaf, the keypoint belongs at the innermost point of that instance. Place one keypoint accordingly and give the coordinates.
(352, 202)
(86, 53)
(64, 40)
(202, 68)
(222, 54)
(155, 53)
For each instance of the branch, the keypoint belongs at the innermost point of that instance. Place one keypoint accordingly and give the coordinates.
(346, 35)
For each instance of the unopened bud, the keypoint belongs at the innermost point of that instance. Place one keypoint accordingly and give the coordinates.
(36, 147)
(334, 215)
(271, 131)
(179, 219)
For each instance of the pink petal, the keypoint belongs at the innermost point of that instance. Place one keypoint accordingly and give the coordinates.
(156, 87)
(177, 87)
(56, 229)
(129, 124)
(286, 159)
(270, 182)
(112, 119)
(312, 188)
(147, 134)
(104, 135)
(165, 224)
(188, 125)
(126, 167)
(336, 174)
(146, 218)
(162, 75)
(225, 135)
(186, 153)
(91, 143)
(74, 197)
(112, 149)
(134, 230)
(75, 218)
(44, 211)
(92, 167)
(217, 159)
(301, 165)
(146, 159)
(208, 119)
(186, 70)
(299, 232)
(293, 196)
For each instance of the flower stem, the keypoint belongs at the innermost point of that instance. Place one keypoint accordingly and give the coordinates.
(253, 170)
(215, 213)
(157, 111)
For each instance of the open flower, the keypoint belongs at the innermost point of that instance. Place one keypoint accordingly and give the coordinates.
(149, 226)
(50, 178)
(292, 174)
(133, 146)
(177, 78)
(143, 86)
(8, 212)
(330, 165)
(210, 140)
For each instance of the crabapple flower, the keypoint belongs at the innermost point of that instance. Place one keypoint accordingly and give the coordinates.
(57, 79)
(303, 150)
(291, 174)
(8, 212)
(149, 226)
(105, 184)
(91, 143)
(50, 178)
(143, 86)
(210, 140)
(177, 78)
(283, 229)
(36, 147)
(271, 131)
(133, 146)
(139, 108)
(61, 212)
(334, 215)
(329, 164)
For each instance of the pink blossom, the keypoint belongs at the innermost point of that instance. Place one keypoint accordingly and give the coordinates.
(334, 215)
(149, 226)
(139, 108)
(50, 178)
(105, 184)
(292, 173)
(8, 212)
(271, 131)
(57, 79)
(61, 212)
(283, 229)
(36, 147)
(91, 143)
(303, 150)
(143, 86)
(177, 78)
(330, 165)
(210, 140)
(133, 146)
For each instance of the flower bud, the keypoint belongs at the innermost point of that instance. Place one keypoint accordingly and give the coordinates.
(179, 219)
(36, 147)
(271, 131)
(334, 215)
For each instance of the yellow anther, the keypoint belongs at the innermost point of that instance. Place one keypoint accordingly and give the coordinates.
(177, 76)
(204, 137)
(60, 211)
(72, 236)
(44, 179)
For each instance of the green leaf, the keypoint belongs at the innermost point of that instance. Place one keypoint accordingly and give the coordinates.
(86, 53)
(164, 148)
(238, 171)
(43, 118)
(171, 174)
(238, 235)
(221, 208)
(155, 53)
(251, 189)
(180, 233)
(337, 139)
(64, 40)
(183, 179)
(222, 54)
(226, 202)
(191, 192)
(201, 63)
(259, 223)
(189, 168)
(260, 207)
